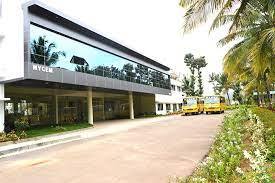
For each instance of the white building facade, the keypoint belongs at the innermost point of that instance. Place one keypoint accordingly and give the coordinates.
(166, 104)
(82, 77)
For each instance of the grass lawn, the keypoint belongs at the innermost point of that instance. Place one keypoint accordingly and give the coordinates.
(267, 116)
(47, 130)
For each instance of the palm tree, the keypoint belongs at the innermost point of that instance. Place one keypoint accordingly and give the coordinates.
(220, 84)
(198, 11)
(42, 52)
(253, 26)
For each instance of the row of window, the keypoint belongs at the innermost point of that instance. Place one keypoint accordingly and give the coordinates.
(176, 88)
(168, 107)
(51, 49)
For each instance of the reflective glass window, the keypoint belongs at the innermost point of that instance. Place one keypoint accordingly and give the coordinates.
(54, 50)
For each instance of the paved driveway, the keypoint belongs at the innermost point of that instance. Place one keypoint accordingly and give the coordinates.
(150, 153)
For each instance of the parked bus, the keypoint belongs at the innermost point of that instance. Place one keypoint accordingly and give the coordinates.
(214, 104)
(192, 105)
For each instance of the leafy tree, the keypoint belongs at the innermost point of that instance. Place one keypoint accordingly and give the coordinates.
(42, 52)
(199, 64)
(213, 78)
(189, 60)
(186, 86)
(199, 11)
(237, 96)
(142, 73)
(128, 70)
(220, 84)
(84, 69)
(251, 60)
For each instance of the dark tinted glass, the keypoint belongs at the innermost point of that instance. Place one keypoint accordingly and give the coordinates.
(51, 49)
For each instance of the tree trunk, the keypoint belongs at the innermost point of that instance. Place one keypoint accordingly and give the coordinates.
(268, 95)
(258, 98)
(228, 98)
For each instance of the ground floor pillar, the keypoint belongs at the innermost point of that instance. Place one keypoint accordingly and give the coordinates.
(90, 107)
(2, 107)
(131, 105)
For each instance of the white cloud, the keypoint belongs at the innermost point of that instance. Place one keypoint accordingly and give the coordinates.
(150, 27)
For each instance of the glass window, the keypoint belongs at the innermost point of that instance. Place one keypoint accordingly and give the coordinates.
(179, 88)
(175, 107)
(168, 107)
(160, 107)
(173, 87)
(189, 101)
(51, 49)
(212, 100)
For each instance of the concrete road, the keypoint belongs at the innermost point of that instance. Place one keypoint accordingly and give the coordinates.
(150, 153)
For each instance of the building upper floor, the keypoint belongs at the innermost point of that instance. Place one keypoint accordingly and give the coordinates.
(41, 43)
(176, 94)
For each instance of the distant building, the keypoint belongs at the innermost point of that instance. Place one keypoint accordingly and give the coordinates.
(173, 102)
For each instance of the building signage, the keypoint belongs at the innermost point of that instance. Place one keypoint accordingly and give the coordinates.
(42, 68)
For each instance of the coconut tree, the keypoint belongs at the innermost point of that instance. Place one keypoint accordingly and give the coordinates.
(42, 52)
(254, 56)
(221, 84)
(199, 11)
(252, 26)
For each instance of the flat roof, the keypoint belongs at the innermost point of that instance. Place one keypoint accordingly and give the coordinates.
(40, 9)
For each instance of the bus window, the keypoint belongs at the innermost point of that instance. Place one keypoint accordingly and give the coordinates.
(212, 100)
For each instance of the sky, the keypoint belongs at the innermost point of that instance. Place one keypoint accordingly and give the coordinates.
(151, 27)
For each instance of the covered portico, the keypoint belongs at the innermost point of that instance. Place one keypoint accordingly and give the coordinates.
(49, 105)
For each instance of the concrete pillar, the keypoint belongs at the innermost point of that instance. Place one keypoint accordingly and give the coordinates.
(131, 105)
(164, 109)
(2, 107)
(2, 115)
(56, 109)
(90, 107)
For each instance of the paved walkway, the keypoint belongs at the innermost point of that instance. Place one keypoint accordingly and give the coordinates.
(143, 150)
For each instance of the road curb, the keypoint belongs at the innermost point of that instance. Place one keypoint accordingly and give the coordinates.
(29, 145)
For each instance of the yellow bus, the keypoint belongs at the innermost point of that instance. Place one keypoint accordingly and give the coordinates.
(214, 104)
(192, 105)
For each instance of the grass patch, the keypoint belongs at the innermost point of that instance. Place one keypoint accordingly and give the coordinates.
(149, 116)
(267, 116)
(53, 129)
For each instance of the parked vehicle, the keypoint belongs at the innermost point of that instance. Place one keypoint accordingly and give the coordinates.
(214, 104)
(192, 105)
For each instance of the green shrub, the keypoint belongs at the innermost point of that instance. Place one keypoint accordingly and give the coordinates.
(3, 137)
(12, 136)
(268, 118)
(9, 121)
(21, 124)
(240, 152)
(23, 135)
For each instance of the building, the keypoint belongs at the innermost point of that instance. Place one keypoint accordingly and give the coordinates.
(173, 102)
(56, 70)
